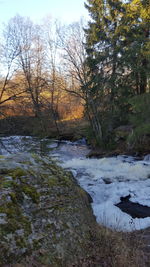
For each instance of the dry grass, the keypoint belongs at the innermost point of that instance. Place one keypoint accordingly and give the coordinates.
(114, 249)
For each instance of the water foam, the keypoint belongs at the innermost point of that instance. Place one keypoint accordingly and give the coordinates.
(108, 179)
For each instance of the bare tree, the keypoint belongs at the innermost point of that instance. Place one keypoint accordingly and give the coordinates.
(8, 61)
(72, 40)
(25, 39)
(51, 41)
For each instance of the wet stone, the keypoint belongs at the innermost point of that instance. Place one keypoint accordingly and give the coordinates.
(135, 210)
(107, 180)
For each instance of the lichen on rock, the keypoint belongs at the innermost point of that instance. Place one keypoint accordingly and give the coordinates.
(45, 216)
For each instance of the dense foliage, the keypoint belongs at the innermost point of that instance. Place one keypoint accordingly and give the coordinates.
(140, 119)
(117, 46)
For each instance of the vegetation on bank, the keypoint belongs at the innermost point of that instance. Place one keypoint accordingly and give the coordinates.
(123, 139)
(46, 220)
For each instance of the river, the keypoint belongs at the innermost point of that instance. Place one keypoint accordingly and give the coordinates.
(107, 180)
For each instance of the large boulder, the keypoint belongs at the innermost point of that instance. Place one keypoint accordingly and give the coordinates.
(45, 217)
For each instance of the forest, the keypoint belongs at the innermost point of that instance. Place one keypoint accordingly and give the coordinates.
(94, 72)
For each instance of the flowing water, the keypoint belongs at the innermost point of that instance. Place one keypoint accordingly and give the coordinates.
(107, 180)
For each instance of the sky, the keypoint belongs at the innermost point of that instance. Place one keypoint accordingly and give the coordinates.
(66, 10)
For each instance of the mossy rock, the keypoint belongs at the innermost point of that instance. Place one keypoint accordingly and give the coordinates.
(45, 217)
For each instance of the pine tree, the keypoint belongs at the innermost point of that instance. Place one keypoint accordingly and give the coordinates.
(102, 46)
(117, 45)
(135, 28)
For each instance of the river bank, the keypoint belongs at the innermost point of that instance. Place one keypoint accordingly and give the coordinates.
(31, 126)
(74, 130)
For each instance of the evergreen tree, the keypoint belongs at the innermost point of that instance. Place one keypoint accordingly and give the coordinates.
(134, 29)
(102, 46)
(117, 45)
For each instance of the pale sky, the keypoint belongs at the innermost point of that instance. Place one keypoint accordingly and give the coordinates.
(66, 10)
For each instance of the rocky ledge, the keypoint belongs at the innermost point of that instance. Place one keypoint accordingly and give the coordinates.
(45, 217)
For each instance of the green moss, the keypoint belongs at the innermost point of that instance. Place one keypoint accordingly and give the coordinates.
(52, 181)
(53, 168)
(15, 219)
(10, 209)
(32, 173)
(20, 242)
(6, 184)
(31, 192)
(18, 172)
(66, 181)
(10, 227)
(20, 189)
(13, 197)
(17, 195)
